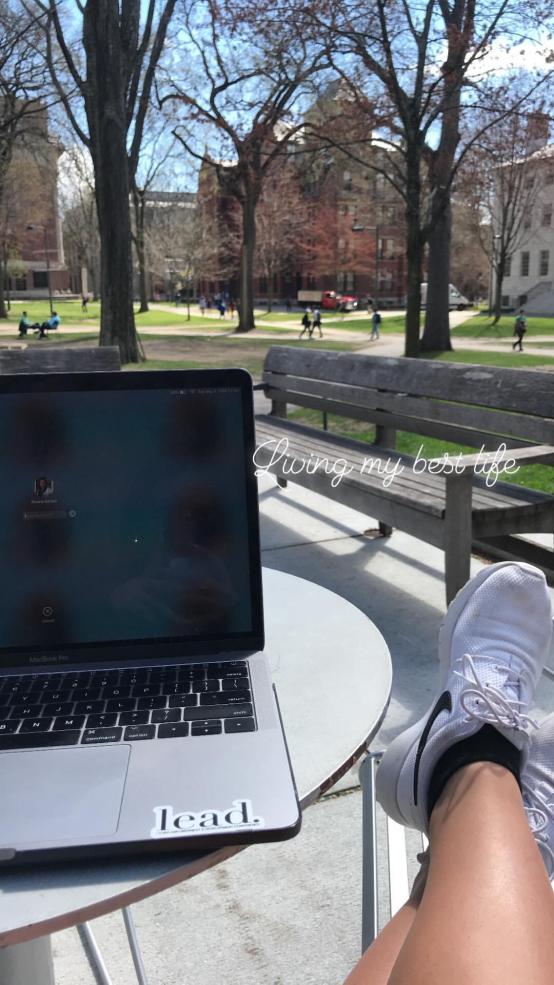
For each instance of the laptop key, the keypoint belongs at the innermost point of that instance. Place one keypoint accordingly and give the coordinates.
(166, 715)
(62, 708)
(39, 741)
(121, 704)
(240, 725)
(94, 735)
(145, 690)
(174, 731)
(116, 691)
(87, 694)
(206, 728)
(101, 721)
(226, 698)
(135, 732)
(68, 721)
(134, 718)
(156, 701)
(211, 684)
(182, 701)
(8, 726)
(89, 707)
(25, 711)
(36, 724)
(217, 711)
(233, 683)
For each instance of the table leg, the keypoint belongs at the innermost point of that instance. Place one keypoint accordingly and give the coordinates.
(22, 964)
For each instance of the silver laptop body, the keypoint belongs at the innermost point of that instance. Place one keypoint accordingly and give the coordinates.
(137, 711)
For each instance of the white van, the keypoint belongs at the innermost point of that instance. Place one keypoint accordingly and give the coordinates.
(455, 299)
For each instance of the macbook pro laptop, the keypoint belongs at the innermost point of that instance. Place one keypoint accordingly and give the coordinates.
(137, 711)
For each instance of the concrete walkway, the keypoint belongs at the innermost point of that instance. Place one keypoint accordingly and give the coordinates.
(290, 914)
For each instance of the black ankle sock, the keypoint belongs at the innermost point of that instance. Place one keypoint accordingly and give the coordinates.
(487, 745)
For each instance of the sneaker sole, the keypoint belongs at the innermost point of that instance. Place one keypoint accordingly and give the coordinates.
(404, 744)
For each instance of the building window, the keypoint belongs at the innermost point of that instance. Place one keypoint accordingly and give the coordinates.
(508, 267)
(524, 266)
(527, 220)
(40, 278)
(350, 282)
(347, 181)
(547, 215)
(544, 261)
(505, 300)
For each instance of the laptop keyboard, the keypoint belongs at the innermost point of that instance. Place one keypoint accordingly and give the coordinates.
(96, 707)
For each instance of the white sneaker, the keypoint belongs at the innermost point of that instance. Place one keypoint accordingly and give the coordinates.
(537, 782)
(493, 644)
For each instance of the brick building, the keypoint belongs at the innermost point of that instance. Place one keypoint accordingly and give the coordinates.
(31, 226)
(345, 223)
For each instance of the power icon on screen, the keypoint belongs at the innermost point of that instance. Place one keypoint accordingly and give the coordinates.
(47, 611)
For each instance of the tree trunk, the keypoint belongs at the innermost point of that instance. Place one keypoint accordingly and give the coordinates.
(105, 107)
(436, 335)
(270, 288)
(498, 280)
(3, 308)
(140, 246)
(414, 251)
(246, 300)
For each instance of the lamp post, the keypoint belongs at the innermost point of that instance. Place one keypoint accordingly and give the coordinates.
(495, 238)
(36, 225)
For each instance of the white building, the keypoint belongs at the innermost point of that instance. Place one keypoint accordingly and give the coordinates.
(529, 278)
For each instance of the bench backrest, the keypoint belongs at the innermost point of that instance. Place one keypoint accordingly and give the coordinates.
(468, 404)
(59, 359)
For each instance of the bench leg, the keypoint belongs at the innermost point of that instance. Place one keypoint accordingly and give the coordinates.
(457, 534)
(385, 529)
(282, 482)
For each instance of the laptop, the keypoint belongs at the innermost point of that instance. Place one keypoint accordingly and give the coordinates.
(137, 711)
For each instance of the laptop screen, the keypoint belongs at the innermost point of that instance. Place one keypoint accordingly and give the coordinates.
(126, 512)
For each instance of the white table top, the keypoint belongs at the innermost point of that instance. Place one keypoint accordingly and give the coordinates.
(333, 675)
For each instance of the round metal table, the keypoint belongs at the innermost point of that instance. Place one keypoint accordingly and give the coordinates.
(333, 674)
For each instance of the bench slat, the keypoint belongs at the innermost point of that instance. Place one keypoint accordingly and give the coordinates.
(417, 414)
(424, 492)
(521, 390)
(60, 359)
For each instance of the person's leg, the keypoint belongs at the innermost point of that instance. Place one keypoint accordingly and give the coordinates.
(487, 913)
(377, 962)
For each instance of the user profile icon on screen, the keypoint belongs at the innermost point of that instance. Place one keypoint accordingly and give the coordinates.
(43, 487)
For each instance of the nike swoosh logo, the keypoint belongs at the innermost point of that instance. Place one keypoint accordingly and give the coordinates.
(443, 703)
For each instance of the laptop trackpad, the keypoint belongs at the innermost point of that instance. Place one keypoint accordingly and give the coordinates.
(58, 794)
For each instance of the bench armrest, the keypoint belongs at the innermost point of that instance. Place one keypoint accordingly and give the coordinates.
(500, 456)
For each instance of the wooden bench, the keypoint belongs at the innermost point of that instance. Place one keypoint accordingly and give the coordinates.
(471, 405)
(60, 359)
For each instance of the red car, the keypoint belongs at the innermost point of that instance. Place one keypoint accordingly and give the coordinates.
(333, 300)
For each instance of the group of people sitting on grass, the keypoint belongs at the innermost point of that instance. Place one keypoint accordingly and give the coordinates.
(41, 327)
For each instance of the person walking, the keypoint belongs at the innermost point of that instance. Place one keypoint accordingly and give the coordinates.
(476, 774)
(202, 303)
(317, 322)
(84, 303)
(520, 329)
(375, 325)
(306, 323)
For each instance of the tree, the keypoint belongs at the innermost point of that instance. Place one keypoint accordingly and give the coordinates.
(421, 68)
(283, 224)
(113, 89)
(80, 220)
(506, 185)
(246, 77)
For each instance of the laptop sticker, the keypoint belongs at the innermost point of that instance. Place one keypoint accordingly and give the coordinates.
(239, 815)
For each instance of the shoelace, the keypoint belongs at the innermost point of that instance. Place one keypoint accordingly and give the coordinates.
(540, 814)
(499, 709)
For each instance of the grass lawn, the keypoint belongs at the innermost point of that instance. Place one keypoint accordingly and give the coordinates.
(70, 313)
(533, 476)
(509, 358)
(480, 326)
